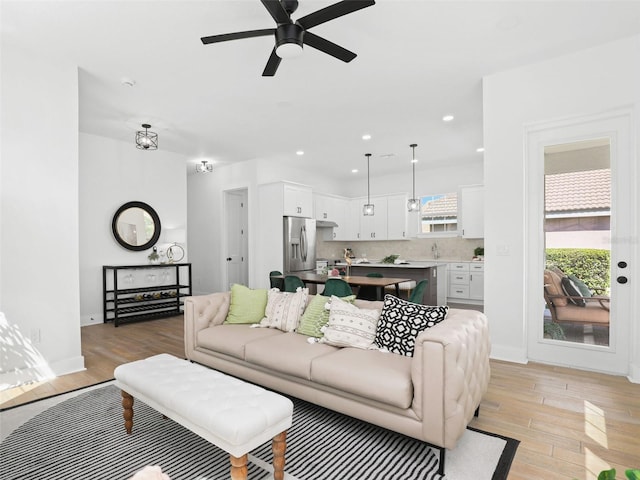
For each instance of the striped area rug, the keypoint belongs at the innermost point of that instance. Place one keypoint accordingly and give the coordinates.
(84, 438)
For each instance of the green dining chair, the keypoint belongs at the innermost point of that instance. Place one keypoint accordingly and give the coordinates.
(276, 282)
(337, 287)
(292, 282)
(368, 292)
(418, 291)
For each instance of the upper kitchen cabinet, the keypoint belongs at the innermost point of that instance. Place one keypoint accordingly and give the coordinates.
(328, 208)
(397, 217)
(297, 200)
(471, 211)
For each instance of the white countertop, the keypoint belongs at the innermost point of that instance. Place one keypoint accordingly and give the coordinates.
(411, 264)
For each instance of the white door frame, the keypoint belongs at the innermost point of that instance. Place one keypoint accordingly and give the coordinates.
(243, 193)
(617, 125)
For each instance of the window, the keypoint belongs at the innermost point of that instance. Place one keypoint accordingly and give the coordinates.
(439, 213)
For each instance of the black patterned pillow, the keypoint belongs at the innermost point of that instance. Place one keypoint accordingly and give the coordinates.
(401, 322)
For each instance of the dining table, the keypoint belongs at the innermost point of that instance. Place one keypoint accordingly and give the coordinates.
(354, 280)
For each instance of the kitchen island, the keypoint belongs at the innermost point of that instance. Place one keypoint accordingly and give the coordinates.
(435, 272)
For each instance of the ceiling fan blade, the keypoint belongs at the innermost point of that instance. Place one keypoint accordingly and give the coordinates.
(277, 11)
(237, 35)
(333, 11)
(272, 64)
(328, 47)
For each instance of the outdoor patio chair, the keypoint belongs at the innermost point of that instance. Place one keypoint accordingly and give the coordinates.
(574, 308)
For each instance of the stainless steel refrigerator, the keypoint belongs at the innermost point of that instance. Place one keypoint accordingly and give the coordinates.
(299, 244)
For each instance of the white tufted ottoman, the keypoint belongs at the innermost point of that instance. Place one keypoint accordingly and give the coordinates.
(233, 415)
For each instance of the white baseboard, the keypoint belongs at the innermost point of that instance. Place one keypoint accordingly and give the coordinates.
(509, 354)
(91, 319)
(41, 372)
(634, 373)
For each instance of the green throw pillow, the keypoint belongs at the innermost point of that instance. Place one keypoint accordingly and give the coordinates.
(584, 290)
(247, 305)
(316, 316)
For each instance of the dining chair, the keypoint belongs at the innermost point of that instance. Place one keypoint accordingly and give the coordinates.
(337, 287)
(418, 291)
(369, 292)
(276, 282)
(292, 282)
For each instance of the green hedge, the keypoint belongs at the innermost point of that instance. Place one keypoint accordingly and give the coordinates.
(589, 265)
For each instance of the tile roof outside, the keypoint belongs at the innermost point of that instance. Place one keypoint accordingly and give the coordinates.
(445, 206)
(578, 191)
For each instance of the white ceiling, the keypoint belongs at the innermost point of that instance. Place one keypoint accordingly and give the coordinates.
(417, 61)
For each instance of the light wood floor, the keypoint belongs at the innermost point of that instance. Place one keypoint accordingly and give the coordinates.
(570, 423)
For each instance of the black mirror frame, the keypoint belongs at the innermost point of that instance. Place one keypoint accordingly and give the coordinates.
(154, 216)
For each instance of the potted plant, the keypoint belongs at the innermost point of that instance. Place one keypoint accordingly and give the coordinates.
(631, 474)
(153, 256)
(478, 253)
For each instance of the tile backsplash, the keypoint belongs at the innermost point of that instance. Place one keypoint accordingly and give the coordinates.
(451, 248)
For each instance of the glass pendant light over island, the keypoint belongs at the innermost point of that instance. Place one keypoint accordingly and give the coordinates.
(369, 208)
(413, 205)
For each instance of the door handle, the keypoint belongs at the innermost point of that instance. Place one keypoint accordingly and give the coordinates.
(303, 243)
(622, 279)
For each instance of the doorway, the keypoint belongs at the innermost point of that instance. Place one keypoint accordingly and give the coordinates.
(578, 192)
(236, 238)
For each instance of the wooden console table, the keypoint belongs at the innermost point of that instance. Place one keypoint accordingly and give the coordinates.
(144, 292)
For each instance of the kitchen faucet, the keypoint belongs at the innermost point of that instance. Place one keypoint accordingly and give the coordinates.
(434, 249)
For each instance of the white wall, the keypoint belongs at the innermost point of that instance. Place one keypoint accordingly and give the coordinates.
(39, 287)
(205, 205)
(587, 82)
(113, 173)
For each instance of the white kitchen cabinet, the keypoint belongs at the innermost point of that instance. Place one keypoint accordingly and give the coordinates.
(389, 221)
(466, 282)
(333, 209)
(397, 217)
(476, 281)
(322, 206)
(471, 211)
(297, 200)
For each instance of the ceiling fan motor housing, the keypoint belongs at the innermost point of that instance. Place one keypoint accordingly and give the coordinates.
(289, 33)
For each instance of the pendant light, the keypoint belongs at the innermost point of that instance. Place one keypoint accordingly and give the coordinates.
(146, 140)
(413, 205)
(369, 208)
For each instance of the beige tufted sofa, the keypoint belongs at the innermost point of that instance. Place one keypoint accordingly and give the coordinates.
(431, 396)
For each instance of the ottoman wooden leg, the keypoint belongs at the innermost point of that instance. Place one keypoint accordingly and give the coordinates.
(127, 404)
(279, 446)
(239, 467)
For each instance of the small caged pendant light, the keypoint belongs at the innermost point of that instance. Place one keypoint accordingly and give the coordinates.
(369, 208)
(146, 140)
(413, 205)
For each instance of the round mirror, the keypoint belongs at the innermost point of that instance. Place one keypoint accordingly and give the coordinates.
(136, 226)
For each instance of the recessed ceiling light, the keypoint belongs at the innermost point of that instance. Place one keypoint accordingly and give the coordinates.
(299, 152)
(354, 170)
(480, 149)
(366, 136)
(447, 118)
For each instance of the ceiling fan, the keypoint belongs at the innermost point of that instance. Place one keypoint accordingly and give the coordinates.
(290, 35)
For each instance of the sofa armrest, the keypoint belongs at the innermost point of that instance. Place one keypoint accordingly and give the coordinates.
(201, 312)
(450, 372)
